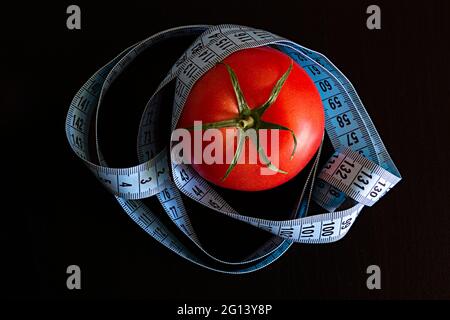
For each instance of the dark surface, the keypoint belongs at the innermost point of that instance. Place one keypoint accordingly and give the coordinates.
(55, 213)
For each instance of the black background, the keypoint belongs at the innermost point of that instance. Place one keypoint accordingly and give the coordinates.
(54, 212)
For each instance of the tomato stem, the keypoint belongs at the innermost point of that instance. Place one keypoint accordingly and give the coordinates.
(249, 118)
(247, 122)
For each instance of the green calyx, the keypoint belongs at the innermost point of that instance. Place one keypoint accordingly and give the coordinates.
(251, 119)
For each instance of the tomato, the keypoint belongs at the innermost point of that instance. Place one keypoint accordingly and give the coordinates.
(297, 108)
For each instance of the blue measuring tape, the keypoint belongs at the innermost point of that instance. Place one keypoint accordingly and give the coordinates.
(360, 169)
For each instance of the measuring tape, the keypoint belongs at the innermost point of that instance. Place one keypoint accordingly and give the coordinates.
(360, 171)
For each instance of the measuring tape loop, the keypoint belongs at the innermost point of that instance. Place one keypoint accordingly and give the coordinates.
(360, 169)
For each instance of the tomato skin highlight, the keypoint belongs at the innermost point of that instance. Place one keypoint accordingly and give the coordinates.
(298, 107)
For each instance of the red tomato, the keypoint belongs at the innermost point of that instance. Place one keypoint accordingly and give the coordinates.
(298, 107)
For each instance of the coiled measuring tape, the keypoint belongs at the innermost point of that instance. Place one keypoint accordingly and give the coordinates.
(360, 171)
